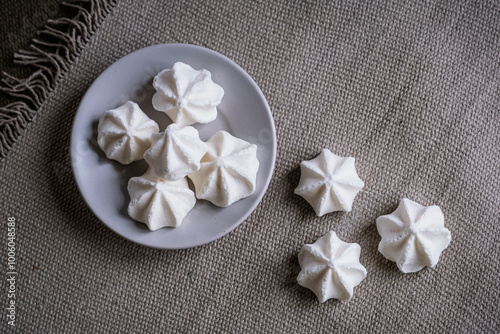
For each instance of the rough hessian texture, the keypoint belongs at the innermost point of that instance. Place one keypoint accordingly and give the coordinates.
(411, 89)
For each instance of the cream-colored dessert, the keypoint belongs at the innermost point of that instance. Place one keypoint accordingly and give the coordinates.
(330, 267)
(176, 152)
(157, 202)
(228, 170)
(329, 183)
(187, 95)
(124, 133)
(413, 236)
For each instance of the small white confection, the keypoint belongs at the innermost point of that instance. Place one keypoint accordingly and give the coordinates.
(176, 152)
(157, 202)
(329, 183)
(330, 267)
(413, 236)
(124, 133)
(186, 95)
(228, 171)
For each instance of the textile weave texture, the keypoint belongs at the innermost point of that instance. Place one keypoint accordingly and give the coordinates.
(410, 89)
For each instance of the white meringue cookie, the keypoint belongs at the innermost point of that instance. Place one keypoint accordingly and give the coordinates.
(124, 133)
(228, 171)
(157, 202)
(176, 152)
(331, 267)
(329, 183)
(186, 95)
(413, 236)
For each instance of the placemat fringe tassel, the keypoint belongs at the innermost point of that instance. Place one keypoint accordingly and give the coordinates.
(51, 55)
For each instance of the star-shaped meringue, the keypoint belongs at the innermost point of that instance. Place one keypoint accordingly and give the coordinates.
(413, 236)
(187, 95)
(228, 171)
(124, 133)
(329, 183)
(331, 267)
(157, 202)
(176, 152)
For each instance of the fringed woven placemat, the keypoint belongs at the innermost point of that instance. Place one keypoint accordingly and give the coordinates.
(49, 56)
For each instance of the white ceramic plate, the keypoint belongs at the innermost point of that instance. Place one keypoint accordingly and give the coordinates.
(244, 113)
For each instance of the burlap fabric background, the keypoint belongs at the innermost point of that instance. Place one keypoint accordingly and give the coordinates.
(410, 89)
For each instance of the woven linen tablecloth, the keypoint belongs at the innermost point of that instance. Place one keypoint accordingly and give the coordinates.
(408, 88)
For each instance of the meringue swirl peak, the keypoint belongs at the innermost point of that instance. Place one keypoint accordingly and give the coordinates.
(187, 95)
